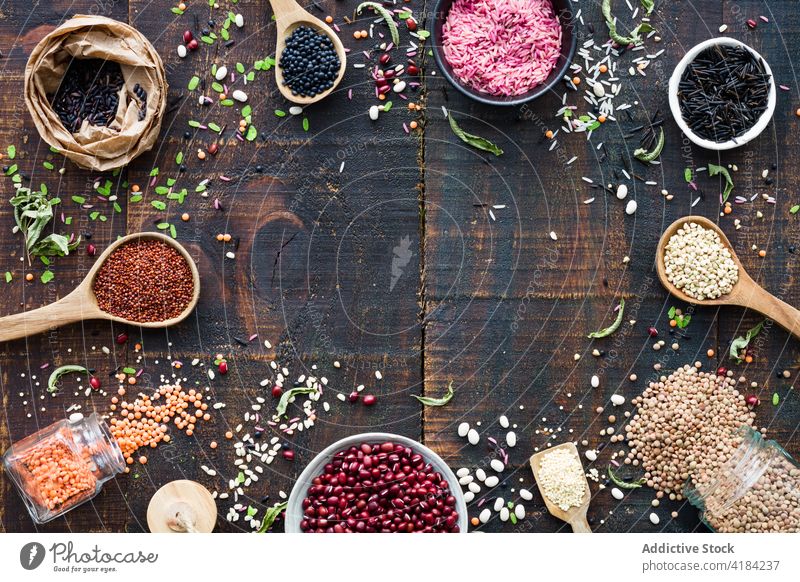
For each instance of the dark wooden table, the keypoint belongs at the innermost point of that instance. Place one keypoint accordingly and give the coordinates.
(394, 264)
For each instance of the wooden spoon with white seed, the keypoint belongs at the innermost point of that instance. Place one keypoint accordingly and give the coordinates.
(745, 293)
(575, 516)
(289, 15)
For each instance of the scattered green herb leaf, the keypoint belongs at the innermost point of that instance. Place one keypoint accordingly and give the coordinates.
(714, 170)
(740, 343)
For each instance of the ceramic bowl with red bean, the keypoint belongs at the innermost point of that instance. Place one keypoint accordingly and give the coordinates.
(376, 483)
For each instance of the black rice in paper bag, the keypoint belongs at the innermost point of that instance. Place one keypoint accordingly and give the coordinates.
(97, 91)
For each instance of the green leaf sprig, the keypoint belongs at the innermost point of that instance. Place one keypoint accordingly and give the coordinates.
(614, 326)
(32, 213)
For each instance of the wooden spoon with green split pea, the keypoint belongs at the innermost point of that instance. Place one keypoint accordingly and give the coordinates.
(289, 15)
(745, 293)
(81, 303)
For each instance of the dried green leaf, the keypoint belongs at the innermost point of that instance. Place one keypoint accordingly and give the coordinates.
(437, 401)
(387, 16)
(52, 382)
(741, 343)
(614, 326)
(714, 170)
(271, 515)
(288, 395)
(473, 140)
(624, 484)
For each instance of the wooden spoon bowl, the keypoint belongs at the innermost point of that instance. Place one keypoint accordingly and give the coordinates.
(575, 516)
(745, 293)
(289, 15)
(81, 303)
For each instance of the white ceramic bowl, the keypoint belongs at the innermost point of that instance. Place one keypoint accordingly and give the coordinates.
(294, 508)
(674, 106)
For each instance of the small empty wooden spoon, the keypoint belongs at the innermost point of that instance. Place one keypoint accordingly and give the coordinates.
(288, 16)
(575, 516)
(81, 303)
(182, 506)
(745, 293)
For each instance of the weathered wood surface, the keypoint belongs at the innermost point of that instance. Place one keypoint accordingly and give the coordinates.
(497, 307)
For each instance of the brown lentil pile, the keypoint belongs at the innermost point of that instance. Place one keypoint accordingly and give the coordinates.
(143, 422)
(771, 504)
(144, 281)
(685, 427)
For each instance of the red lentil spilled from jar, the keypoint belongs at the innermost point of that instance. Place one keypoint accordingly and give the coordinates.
(144, 281)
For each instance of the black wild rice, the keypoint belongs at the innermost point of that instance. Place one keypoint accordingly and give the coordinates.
(90, 91)
(723, 92)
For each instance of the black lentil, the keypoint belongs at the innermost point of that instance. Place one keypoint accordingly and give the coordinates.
(309, 62)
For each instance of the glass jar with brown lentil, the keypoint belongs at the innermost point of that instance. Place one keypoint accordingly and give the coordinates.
(757, 490)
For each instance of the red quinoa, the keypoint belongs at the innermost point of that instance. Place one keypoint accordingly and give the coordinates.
(144, 281)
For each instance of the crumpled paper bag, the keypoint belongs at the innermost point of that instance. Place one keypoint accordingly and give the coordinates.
(95, 147)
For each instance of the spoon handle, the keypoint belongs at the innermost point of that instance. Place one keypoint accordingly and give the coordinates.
(580, 524)
(778, 311)
(69, 309)
(286, 11)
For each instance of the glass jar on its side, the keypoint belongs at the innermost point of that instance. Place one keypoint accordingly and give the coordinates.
(63, 465)
(756, 490)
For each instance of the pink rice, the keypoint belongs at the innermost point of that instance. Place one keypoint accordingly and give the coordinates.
(502, 47)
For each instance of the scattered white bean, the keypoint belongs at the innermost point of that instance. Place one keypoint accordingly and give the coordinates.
(221, 73)
(485, 515)
(591, 454)
(497, 465)
(374, 112)
(505, 514)
(498, 504)
(630, 208)
(239, 20)
(491, 481)
(519, 511)
(181, 51)
(463, 429)
(474, 487)
(504, 421)
(595, 381)
(480, 474)
(654, 519)
(617, 399)
(617, 494)
(473, 437)
(622, 191)
(511, 439)
(240, 96)
(462, 472)
(525, 494)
